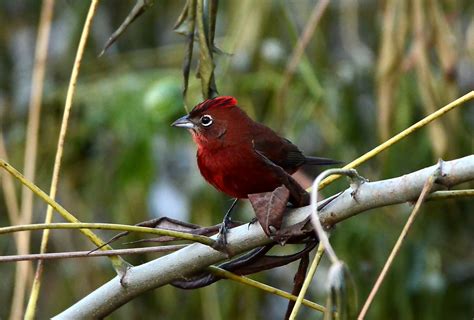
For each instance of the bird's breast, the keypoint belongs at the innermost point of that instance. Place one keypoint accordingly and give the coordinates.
(236, 171)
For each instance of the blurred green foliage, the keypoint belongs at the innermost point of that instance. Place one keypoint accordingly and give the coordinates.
(120, 150)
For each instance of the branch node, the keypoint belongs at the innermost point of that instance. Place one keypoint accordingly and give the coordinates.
(355, 182)
(440, 176)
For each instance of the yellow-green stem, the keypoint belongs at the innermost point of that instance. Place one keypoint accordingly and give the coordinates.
(307, 281)
(247, 281)
(420, 124)
(56, 206)
(83, 226)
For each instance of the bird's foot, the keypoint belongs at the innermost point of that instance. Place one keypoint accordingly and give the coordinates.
(221, 241)
(254, 219)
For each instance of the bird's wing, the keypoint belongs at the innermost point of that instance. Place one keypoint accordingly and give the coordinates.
(283, 152)
(280, 151)
(298, 196)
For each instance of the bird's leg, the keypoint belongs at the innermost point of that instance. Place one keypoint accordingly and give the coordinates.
(221, 241)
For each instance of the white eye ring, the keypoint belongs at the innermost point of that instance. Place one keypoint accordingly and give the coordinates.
(206, 120)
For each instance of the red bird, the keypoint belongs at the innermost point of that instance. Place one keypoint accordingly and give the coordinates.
(239, 156)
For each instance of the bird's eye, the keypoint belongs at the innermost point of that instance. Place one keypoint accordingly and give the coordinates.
(206, 120)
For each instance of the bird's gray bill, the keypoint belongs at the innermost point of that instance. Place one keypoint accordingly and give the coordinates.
(183, 122)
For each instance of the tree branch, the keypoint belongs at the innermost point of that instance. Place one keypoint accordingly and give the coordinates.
(196, 257)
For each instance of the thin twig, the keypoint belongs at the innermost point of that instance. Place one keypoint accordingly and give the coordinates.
(138, 9)
(420, 124)
(87, 254)
(250, 282)
(182, 16)
(426, 79)
(110, 226)
(424, 193)
(451, 194)
(23, 271)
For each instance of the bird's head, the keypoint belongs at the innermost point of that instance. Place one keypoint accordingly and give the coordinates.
(211, 120)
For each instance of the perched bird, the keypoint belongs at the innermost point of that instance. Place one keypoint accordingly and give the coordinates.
(239, 156)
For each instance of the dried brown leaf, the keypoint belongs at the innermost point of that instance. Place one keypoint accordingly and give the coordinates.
(269, 208)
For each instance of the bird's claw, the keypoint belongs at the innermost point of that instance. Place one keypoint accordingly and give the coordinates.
(221, 245)
(221, 241)
(254, 219)
(222, 236)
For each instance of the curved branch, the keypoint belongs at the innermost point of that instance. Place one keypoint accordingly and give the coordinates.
(196, 257)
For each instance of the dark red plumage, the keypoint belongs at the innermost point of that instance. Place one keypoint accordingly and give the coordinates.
(237, 155)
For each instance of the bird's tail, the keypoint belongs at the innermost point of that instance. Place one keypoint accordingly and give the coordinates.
(320, 161)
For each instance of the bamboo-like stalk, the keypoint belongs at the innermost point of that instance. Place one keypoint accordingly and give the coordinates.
(430, 97)
(298, 52)
(9, 192)
(31, 308)
(393, 36)
(23, 271)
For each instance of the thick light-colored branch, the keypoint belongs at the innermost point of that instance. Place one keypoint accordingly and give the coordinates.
(397, 190)
(161, 271)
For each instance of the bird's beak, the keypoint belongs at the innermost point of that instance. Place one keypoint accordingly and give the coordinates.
(183, 122)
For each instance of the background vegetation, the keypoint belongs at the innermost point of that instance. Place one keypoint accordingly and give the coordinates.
(371, 69)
